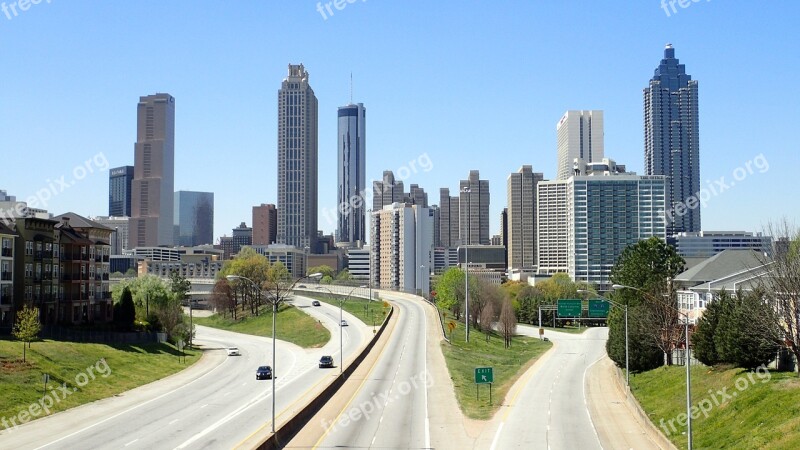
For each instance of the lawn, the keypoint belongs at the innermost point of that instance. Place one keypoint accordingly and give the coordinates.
(369, 312)
(744, 409)
(291, 325)
(508, 364)
(114, 369)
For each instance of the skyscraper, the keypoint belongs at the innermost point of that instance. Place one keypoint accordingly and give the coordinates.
(194, 218)
(154, 171)
(672, 139)
(386, 191)
(417, 196)
(474, 210)
(120, 180)
(580, 135)
(402, 248)
(265, 224)
(297, 161)
(448, 219)
(522, 218)
(351, 167)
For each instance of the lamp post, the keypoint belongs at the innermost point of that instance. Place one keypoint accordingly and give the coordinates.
(274, 313)
(625, 307)
(341, 331)
(467, 191)
(688, 372)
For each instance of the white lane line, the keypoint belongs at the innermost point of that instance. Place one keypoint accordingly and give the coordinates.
(204, 406)
(173, 421)
(496, 436)
(131, 442)
(427, 374)
(586, 403)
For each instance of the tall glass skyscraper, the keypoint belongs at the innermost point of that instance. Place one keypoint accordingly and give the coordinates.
(194, 218)
(120, 180)
(672, 140)
(351, 168)
(297, 161)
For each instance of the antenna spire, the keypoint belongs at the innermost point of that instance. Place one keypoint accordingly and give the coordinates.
(351, 87)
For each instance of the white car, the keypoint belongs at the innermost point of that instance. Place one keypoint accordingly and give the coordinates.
(344, 323)
(233, 351)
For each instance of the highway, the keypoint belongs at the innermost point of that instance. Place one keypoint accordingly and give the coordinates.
(391, 406)
(551, 410)
(217, 409)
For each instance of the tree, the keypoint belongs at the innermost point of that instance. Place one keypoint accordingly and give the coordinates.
(27, 327)
(325, 270)
(125, 310)
(278, 284)
(222, 298)
(737, 339)
(327, 279)
(508, 323)
(705, 350)
(485, 294)
(179, 286)
(253, 266)
(487, 318)
(648, 265)
(344, 275)
(131, 273)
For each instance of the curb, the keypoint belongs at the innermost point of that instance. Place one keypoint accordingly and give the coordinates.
(656, 434)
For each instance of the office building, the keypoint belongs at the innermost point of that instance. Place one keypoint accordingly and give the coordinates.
(119, 227)
(402, 248)
(297, 161)
(705, 244)
(448, 219)
(417, 196)
(351, 169)
(290, 256)
(474, 210)
(486, 262)
(120, 180)
(265, 224)
(580, 135)
(153, 182)
(358, 263)
(521, 218)
(672, 140)
(194, 218)
(386, 191)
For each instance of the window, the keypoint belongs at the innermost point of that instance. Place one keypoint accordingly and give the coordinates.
(28, 248)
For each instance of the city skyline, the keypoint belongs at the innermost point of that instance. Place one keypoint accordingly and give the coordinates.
(447, 130)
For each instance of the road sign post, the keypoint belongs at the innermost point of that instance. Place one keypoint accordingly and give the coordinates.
(569, 308)
(484, 375)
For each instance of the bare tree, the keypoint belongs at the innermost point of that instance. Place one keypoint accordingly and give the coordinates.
(487, 319)
(222, 298)
(508, 323)
(659, 319)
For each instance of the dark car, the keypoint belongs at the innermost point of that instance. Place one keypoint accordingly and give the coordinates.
(326, 361)
(315, 303)
(264, 373)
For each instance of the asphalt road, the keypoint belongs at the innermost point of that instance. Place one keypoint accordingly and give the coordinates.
(390, 410)
(215, 410)
(551, 411)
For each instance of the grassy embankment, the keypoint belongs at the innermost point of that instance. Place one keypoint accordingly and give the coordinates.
(291, 325)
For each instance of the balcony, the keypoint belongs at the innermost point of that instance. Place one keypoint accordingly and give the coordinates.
(7, 252)
(6, 276)
(37, 255)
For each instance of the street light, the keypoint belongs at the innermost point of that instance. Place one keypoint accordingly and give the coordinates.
(688, 372)
(274, 313)
(617, 304)
(341, 328)
(467, 191)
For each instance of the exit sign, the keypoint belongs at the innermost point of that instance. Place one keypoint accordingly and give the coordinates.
(484, 375)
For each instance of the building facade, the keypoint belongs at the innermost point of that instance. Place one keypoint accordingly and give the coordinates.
(448, 219)
(386, 191)
(552, 252)
(7, 242)
(291, 257)
(265, 224)
(521, 218)
(705, 244)
(402, 248)
(352, 173)
(153, 182)
(120, 180)
(297, 160)
(580, 135)
(672, 139)
(120, 227)
(194, 218)
(474, 210)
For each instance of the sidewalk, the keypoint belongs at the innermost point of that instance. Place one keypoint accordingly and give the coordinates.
(618, 422)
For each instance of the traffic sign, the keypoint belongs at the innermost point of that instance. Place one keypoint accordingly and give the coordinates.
(569, 308)
(484, 375)
(598, 308)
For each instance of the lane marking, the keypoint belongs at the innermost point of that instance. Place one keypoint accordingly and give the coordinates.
(586, 403)
(496, 436)
(173, 421)
(204, 406)
(131, 442)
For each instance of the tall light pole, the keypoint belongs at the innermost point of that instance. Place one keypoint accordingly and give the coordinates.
(274, 302)
(467, 191)
(618, 305)
(688, 372)
(341, 328)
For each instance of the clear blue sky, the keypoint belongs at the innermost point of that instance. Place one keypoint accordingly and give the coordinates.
(474, 84)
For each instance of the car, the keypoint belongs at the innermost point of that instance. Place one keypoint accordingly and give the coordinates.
(233, 351)
(344, 323)
(326, 361)
(264, 373)
(302, 286)
(315, 303)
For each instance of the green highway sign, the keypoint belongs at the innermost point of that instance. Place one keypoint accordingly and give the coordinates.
(569, 308)
(484, 375)
(598, 308)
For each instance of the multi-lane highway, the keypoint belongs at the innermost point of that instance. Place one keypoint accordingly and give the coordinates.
(218, 409)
